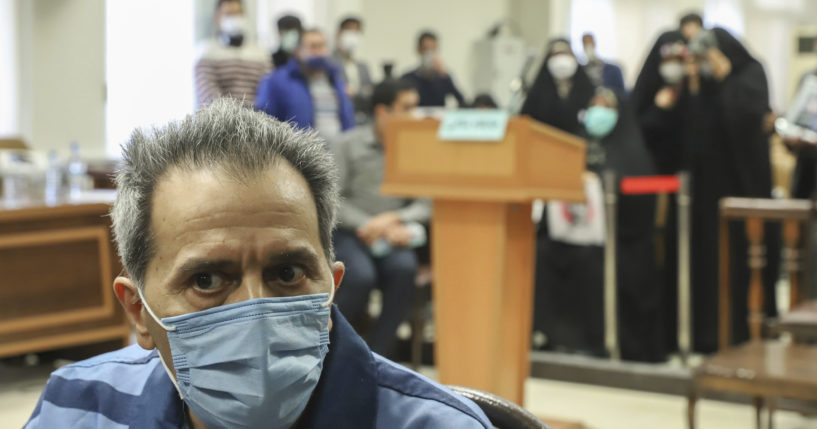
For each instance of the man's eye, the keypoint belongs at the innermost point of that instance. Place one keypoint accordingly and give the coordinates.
(208, 281)
(287, 274)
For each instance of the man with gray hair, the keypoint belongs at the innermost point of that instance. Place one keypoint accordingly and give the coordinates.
(223, 221)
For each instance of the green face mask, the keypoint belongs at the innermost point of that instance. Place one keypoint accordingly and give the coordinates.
(600, 121)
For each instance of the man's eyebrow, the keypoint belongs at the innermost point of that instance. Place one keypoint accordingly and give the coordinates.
(304, 254)
(196, 265)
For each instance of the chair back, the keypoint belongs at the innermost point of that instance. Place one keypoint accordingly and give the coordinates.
(502, 413)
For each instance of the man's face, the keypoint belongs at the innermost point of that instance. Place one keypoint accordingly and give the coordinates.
(428, 45)
(402, 107)
(229, 9)
(313, 44)
(219, 241)
(350, 26)
(690, 30)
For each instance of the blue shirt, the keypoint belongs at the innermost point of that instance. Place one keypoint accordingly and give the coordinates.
(129, 388)
(285, 95)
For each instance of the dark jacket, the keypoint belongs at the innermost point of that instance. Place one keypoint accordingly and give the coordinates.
(434, 88)
(285, 95)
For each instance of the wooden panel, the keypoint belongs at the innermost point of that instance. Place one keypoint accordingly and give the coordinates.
(555, 165)
(74, 288)
(533, 161)
(58, 264)
(468, 159)
(483, 290)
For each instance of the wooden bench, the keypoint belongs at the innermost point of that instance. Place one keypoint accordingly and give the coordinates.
(764, 370)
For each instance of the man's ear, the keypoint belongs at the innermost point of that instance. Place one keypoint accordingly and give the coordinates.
(338, 269)
(128, 296)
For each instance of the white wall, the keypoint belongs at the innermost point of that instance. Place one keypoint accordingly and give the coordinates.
(392, 27)
(61, 46)
(63, 74)
(9, 71)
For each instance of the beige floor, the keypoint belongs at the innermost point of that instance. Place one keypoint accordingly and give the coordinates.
(596, 407)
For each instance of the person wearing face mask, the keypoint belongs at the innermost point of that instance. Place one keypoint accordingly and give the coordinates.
(367, 219)
(354, 71)
(659, 97)
(289, 32)
(433, 81)
(712, 124)
(659, 100)
(570, 253)
(308, 90)
(560, 91)
(231, 65)
(601, 72)
(727, 152)
(230, 292)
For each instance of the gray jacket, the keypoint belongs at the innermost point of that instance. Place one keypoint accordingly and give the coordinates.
(360, 161)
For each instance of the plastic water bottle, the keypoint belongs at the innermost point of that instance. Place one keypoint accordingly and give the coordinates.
(382, 247)
(76, 172)
(15, 183)
(53, 179)
(12, 187)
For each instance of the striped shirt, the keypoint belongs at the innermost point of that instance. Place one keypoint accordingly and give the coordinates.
(358, 389)
(327, 107)
(224, 71)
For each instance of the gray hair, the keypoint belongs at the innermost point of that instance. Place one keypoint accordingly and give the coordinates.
(227, 136)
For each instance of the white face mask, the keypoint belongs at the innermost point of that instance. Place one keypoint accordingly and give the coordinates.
(427, 60)
(349, 41)
(289, 40)
(590, 51)
(672, 72)
(234, 25)
(562, 66)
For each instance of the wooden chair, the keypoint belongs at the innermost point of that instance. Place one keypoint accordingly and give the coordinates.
(764, 370)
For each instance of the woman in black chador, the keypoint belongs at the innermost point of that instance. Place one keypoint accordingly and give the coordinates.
(712, 123)
(560, 91)
(569, 311)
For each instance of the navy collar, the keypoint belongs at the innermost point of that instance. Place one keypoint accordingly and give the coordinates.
(345, 397)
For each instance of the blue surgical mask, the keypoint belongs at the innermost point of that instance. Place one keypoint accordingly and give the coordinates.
(250, 364)
(317, 62)
(600, 121)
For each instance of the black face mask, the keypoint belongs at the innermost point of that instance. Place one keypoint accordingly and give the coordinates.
(234, 40)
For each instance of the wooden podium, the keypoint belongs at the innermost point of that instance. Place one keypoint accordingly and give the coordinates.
(483, 239)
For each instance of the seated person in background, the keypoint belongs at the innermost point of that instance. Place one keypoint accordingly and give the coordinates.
(432, 80)
(355, 72)
(224, 222)
(369, 220)
(232, 65)
(308, 90)
(289, 33)
(484, 101)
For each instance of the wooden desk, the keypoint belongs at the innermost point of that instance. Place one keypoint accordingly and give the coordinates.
(57, 266)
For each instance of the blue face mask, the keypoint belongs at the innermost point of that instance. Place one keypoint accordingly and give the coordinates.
(317, 63)
(250, 364)
(600, 121)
